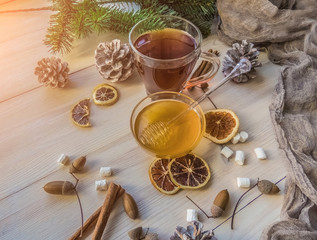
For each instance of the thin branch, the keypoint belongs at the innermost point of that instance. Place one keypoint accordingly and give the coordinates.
(81, 213)
(200, 208)
(235, 208)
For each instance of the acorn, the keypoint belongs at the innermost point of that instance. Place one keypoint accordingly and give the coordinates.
(78, 165)
(130, 206)
(220, 203)
(267, 187)
(136, 233)
(59, 187)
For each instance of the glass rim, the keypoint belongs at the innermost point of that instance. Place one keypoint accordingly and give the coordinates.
(198, 46)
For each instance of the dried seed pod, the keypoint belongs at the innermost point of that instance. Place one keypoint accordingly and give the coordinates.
(136, 233)
(78, 165)
(220, 203)
(267, 187)
(59, 187)
(130, 206)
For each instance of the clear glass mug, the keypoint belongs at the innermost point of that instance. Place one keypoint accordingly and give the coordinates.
(165, 54)
(184, 133)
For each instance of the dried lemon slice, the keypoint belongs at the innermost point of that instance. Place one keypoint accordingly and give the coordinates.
(221, 125)
(80, 113)
(160, 178)
(105, 94)
(189, 171)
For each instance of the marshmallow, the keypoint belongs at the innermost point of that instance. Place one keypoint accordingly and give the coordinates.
(236, 139)
(63, 159)
(105, 171)
(227, 152)
(101, 185)
(240, 157)
(260, 154)
(243, 182)
(192, 215)
(243, 136)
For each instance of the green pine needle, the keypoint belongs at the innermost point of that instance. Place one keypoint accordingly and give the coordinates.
(79, 19)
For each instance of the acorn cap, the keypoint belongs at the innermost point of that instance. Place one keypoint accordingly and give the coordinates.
(216, 211)
(78, 165)
(267, 187)
(136, 233)
(151, 236)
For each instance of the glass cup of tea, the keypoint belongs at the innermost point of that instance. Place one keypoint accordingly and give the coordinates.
(165, 125)
(166, 51)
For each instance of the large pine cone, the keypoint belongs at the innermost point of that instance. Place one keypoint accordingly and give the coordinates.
(114, 61)
(233, 56)
(52, 72)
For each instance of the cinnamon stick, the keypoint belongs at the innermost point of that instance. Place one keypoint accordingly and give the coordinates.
(106, 208)
(92, 219)
(203, 68)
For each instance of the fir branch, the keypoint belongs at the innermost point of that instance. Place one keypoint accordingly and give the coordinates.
(59, 35)
(79, 26)
(79, 19)
(99, 20)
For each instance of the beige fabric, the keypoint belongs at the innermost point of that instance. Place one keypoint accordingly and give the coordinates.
(289, 30)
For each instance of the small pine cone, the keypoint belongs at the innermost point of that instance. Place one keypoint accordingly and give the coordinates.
(114, 61)
(192, 232)
(233, 56)
(52, 72)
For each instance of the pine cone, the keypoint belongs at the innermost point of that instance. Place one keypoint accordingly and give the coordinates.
(192, 232)
(52, 72)
(114, 61)
(234, 55)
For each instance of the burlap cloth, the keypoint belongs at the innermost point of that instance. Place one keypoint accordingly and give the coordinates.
(289, 30)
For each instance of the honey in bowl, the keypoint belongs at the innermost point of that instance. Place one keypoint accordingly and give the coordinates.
(185, 132)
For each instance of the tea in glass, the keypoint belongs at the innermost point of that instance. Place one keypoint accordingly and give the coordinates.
(166, 44)
(165, 51)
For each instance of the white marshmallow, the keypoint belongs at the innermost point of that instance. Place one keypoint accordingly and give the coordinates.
(243, 182)
(63, 159)
(240, 157)
(236, 139)
(243, 136)
(192, 215)
(105, 171)
(260, 154)
(227, 152)
(101, 185)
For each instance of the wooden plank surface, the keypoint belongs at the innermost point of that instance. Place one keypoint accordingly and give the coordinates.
(36, 129)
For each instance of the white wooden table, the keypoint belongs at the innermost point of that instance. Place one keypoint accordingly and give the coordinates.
(36, 129)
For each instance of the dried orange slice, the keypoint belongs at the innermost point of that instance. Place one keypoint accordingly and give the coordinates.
(189, 171)
(221, 125)
(105, 94)
(160, 178)
(80, 113)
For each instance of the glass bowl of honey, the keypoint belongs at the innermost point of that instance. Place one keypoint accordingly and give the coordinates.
(166, 124)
